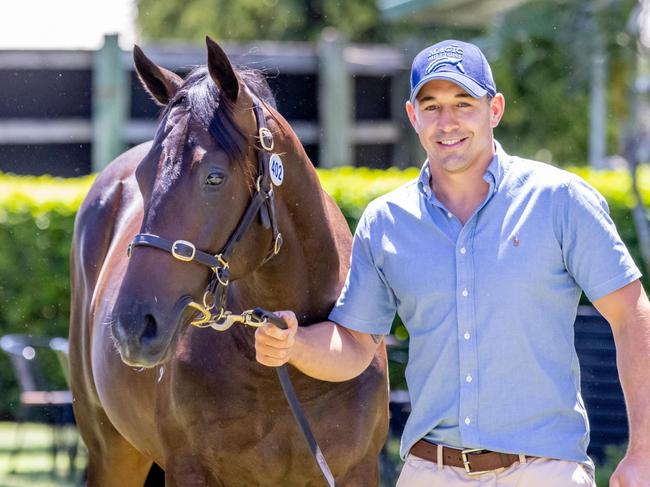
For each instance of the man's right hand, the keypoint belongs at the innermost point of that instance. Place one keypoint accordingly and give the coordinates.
(274, 346)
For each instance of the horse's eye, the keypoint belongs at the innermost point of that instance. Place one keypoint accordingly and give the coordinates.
(214, 179)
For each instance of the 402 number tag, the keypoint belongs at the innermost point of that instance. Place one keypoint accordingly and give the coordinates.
(277, 169)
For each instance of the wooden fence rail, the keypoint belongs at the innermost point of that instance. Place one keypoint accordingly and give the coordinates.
(342, 76)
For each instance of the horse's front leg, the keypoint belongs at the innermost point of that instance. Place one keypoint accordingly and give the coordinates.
(185, 470)
(112, 461)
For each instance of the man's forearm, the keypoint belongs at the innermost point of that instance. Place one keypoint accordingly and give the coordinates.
(330, 352)
(632, 357)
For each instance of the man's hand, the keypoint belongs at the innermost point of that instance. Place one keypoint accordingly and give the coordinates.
(273, 346)
(633, 471)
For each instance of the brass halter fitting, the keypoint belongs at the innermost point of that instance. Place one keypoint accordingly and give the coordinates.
(266, 139)
(183, 250)
(224, 319)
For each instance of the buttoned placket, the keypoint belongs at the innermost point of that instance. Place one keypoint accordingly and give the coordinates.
(466, 329)
(466, 315)
(468, 352)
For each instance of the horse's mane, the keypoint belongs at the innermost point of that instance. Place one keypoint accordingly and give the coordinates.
(214, 112)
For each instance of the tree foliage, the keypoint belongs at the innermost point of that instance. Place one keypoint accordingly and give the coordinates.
(191, 20)
(541, 54)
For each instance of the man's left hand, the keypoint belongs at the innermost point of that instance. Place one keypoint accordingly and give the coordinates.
(633, 471)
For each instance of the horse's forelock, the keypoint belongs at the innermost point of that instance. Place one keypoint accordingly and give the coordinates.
(213, 112)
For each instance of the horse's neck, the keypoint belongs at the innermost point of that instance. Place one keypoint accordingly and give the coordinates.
(307, 275)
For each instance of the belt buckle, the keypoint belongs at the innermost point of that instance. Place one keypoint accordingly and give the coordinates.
(466, 463)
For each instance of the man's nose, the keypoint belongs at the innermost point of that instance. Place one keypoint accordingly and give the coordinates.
(447, 119)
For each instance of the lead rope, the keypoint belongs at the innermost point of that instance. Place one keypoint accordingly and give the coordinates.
(294, 403)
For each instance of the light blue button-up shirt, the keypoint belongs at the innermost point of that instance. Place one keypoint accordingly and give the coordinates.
(489, 305)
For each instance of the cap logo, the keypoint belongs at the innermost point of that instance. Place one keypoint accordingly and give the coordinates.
(451, 55)
(456, 63)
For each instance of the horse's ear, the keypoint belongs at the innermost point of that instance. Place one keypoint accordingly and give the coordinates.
(221, 71)
(161, 83)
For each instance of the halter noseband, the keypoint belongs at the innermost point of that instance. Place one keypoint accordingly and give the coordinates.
(262, 202)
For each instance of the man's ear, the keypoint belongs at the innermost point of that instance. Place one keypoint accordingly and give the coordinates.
(410, 112)
(159, 82)
(497, 108)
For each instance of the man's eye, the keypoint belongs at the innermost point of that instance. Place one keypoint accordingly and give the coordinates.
(214, 179)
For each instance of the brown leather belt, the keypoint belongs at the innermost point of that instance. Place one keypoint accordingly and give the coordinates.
(473, 461)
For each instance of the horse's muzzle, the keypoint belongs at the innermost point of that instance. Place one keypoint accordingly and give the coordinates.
(143, 337)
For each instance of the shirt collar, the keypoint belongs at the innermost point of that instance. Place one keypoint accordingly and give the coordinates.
(493, 175)
(424, 180)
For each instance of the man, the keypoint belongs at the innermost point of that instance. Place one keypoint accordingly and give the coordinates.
(484, 257)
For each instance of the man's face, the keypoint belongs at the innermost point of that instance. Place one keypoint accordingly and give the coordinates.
(454, 128)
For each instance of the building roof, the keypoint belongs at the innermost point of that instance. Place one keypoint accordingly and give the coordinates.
(457, 13)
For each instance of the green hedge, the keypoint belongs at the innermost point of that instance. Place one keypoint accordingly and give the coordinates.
(36, 221)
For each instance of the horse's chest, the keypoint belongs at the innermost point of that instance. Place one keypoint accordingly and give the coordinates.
(248, 438)
(244, 433)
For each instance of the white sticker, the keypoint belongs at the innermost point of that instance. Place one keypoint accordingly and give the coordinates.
(277, 169)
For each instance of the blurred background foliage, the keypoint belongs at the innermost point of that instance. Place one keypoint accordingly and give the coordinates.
(540, 53)
(283, 20)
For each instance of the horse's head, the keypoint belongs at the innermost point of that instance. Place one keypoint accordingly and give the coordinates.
(196, 181)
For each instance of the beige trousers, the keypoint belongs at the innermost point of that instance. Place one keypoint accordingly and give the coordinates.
(536, 472)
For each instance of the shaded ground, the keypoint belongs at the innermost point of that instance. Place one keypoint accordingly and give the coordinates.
(33, 467)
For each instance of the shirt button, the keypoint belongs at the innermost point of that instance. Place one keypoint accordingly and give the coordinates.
(468, 378)
(465, 293)
(466, 335)
(468, 421)
(463, 251)
(449, 214)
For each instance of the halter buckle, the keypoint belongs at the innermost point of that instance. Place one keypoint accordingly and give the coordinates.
(277, 244)
(183, 250)
(266, 139)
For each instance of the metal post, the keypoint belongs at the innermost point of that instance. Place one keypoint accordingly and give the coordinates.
(335, 102)
(636, 149)
(598, 102)
(110, 103)
(408, 150)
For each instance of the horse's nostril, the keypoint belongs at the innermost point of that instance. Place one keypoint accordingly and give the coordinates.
(150, 327)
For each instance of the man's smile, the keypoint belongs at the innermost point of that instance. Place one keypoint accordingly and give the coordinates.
(451, 143)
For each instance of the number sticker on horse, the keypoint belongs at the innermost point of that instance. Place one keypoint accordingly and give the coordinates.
(277, 169)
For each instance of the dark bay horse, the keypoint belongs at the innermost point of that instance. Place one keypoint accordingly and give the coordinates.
(150, 387)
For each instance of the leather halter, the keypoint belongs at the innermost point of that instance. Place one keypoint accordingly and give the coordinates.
(262, 202)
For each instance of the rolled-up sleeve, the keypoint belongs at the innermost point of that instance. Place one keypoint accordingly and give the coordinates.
(367, 303)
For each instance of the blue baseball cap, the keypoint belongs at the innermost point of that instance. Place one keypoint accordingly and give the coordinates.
(456, 61)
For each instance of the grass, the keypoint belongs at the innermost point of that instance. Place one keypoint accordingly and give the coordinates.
(33, 467)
